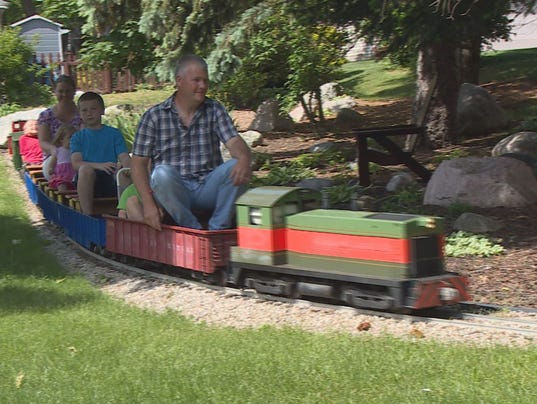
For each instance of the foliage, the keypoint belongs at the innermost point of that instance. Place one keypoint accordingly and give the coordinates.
(65, 12)
(317, 53)
(6, 109)
(463, 244)
(117, 42)
(182, 26)
(282, 174)
(17, 75)
(267, 54)
(244, 89)
(340, 194)
(126, 122)
(528, 125)
(407, 200)
(259, 159)
(325, 158)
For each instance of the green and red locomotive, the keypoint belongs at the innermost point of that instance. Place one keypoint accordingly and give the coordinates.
(387, 261)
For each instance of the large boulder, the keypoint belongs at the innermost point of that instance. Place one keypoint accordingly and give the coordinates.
(348, 117)
(478, 112)
(269, 119)
(252, 139)
(483, 182)
(524, 143)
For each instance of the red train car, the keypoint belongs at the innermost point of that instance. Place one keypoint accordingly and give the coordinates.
(201, 251)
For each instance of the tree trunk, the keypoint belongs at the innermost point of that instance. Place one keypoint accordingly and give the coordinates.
(468, 58)
(437, 90)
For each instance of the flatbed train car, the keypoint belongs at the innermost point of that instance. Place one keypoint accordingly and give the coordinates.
(284, 244)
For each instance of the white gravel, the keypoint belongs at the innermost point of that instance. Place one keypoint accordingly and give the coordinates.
(232, 308)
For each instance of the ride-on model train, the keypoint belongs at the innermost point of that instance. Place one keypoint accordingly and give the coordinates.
(284, 244)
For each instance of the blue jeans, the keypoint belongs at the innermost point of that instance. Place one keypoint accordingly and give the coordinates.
(179, 196)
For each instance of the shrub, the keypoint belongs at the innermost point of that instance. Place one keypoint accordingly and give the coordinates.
(407, 200)
(340, 194)
(18, 76)
(463, 244)
(282, 175)
(126, 122)
(6, 109)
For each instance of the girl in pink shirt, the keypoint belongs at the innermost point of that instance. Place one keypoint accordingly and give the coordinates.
(61, 170)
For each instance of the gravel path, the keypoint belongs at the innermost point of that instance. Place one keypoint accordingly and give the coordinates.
(227, 308)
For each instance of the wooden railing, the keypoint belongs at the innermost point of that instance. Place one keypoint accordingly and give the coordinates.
(104, 81)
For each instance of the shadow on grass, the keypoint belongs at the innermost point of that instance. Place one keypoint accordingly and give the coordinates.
(39, 299)
(23, 252)
(509, 65)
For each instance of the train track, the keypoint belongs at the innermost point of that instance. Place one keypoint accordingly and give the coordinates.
(510, 320)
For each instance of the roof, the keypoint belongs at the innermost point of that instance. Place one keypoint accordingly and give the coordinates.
(35, 17)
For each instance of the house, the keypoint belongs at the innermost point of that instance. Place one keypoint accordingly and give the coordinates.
(45, 36)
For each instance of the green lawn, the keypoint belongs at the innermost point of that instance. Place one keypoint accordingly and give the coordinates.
(63, 341)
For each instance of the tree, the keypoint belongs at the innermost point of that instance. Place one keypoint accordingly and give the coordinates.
(16, 74)
(180, 26)
(444, 37)
(267, 53)
(29, 7)
(112, 36)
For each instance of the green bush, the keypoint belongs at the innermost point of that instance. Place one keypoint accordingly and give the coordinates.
(326, 158)
(6, 109)
(126, 122)
(340, 194)
(407, 200)
(463, 244)
(18, 76)
(282, 175)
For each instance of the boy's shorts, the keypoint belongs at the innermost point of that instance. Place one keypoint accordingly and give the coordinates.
(105, 184)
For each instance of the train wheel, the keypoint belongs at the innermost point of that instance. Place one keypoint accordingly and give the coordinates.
(368, 299)
(219, 277)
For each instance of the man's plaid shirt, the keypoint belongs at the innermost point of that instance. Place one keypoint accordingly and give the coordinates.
(194, 151)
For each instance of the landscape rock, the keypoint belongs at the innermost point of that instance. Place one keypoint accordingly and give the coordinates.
(398, 181)
(316, 184)
(475, 223)
(269, 119)
(478, 112)
(322, 147)
(524, 143)
(118, 109)
(337, 104)
(252, 139)
(349, 117)
(330, 91)
(483, 182)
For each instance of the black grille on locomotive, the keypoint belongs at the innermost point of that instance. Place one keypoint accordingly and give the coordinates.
(426, 255)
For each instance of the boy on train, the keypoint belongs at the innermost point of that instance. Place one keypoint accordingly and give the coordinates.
(95, 152)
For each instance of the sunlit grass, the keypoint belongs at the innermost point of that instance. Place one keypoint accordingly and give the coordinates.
(372, 79)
